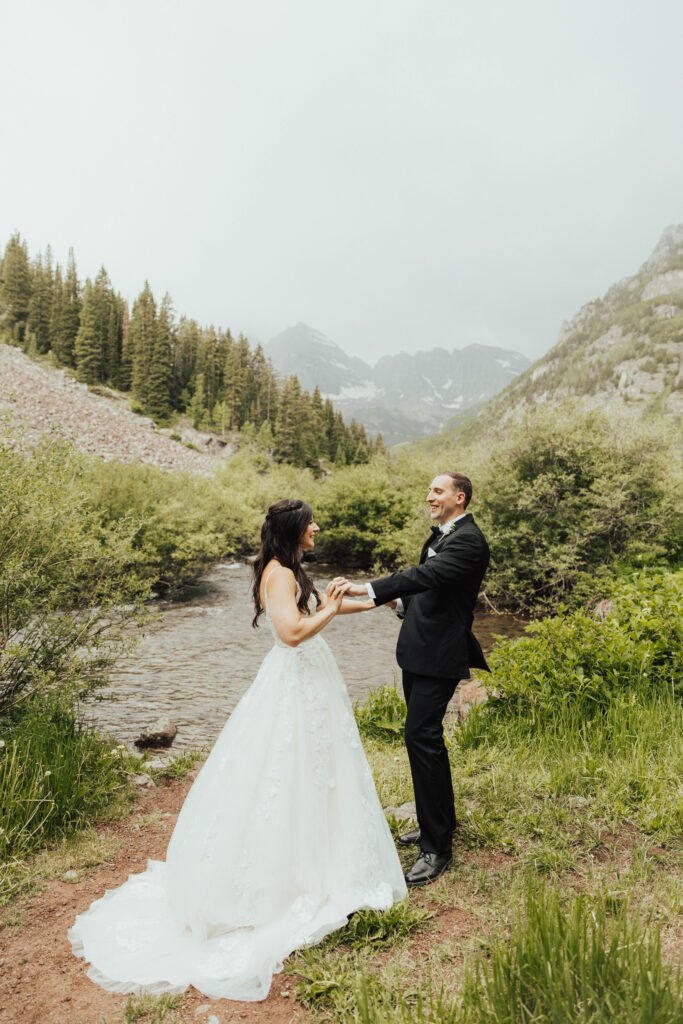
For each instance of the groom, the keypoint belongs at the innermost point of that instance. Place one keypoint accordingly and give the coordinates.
(436, 648)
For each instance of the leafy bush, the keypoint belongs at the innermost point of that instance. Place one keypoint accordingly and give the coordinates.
(379, 929)
(575, 658)
(183, 522)
(57, 556)
(569, 495)
(382, 716)
(361, 510)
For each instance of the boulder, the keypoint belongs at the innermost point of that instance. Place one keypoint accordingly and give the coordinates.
(406, 812)
(160, 734)
(143, 780)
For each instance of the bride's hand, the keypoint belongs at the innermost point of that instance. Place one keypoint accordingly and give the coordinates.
(335, 593)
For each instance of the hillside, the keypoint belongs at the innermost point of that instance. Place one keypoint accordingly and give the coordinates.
(622, 350)
(403, 396)
(47, 402)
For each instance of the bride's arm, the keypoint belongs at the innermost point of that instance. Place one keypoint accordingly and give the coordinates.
(291, 626)
(349, 606)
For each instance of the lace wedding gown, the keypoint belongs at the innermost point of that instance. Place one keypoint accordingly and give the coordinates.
(280, 838)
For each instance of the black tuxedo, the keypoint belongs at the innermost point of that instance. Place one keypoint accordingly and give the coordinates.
(436, 648)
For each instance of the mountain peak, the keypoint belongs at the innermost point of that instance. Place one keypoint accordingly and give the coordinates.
(668, 250)
(403, 396)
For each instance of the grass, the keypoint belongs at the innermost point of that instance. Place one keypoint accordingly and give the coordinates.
(180, 765)
(570, 833)
(149, 1009)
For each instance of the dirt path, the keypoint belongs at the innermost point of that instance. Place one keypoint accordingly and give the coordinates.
(42, 982)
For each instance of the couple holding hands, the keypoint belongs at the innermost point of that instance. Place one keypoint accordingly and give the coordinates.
(282, 835)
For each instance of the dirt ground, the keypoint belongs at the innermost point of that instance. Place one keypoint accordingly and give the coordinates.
(42, 982)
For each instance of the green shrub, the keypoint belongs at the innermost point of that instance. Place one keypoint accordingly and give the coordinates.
(576, 659)
(382, 716)
(68, 582)
(568, 496)
(379, 929)
(361, 510)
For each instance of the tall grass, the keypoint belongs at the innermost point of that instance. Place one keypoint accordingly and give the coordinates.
(563, 962)
(55, 775)
(573, 964)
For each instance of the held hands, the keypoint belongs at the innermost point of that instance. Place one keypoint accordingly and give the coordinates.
(335, 592)
(353, 589)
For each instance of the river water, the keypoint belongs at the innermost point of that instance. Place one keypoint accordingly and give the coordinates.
(198, 659)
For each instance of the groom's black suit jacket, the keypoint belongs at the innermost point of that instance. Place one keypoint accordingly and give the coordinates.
(439, 595)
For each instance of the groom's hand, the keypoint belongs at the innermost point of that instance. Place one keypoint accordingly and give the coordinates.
(354, 589)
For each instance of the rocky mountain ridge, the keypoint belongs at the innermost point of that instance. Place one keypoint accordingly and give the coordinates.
(402, 396)
(624, 349)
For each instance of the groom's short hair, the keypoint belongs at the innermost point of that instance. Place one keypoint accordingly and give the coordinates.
(460, 483)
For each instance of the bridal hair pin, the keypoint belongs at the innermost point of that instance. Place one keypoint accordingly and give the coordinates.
(291, 506)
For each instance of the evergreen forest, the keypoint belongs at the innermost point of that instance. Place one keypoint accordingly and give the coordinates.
(168, 364)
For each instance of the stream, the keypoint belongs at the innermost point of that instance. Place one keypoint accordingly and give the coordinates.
(197, 660)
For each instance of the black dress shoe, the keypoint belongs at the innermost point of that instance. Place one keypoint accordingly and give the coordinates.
(427, 868)
(412, 838)
(409, 838)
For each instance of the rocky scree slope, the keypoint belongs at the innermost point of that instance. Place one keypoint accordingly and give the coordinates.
(44, 401)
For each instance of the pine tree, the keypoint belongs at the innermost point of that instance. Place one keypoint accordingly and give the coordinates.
(112, 353)
(379, 447)
(142, 330)
(125, 369)
(15, 288)
(161, 368)
(56, 309)
(87, 348)
(40, 304)
(70, 313)
(265, 438)
(236, 381)
(197, 410)
(285, 431)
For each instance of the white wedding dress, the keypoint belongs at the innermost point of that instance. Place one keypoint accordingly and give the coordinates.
(281, 837)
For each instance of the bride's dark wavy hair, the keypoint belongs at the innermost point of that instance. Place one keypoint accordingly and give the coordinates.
(283, 528)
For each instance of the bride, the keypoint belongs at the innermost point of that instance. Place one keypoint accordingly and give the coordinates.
(282, 835)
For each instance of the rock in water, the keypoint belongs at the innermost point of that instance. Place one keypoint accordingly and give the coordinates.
(161, 734)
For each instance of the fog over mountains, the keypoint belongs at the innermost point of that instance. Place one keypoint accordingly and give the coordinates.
(403, 396)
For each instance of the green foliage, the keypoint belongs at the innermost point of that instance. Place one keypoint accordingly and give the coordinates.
(67, 582)
(181, 764)
(15, 287)
(635, 653)
(55, 775)
(379, 929)
(331, 982)
(147, 1008)
(573, 964)
(361, 511)
(565, 498)
(382, 715)
(170, 366)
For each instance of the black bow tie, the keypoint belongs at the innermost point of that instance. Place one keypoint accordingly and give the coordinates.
(435, 529)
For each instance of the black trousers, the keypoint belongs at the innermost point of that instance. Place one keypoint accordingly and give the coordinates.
(427, 698)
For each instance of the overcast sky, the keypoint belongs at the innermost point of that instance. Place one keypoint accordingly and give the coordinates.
(398, 174)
